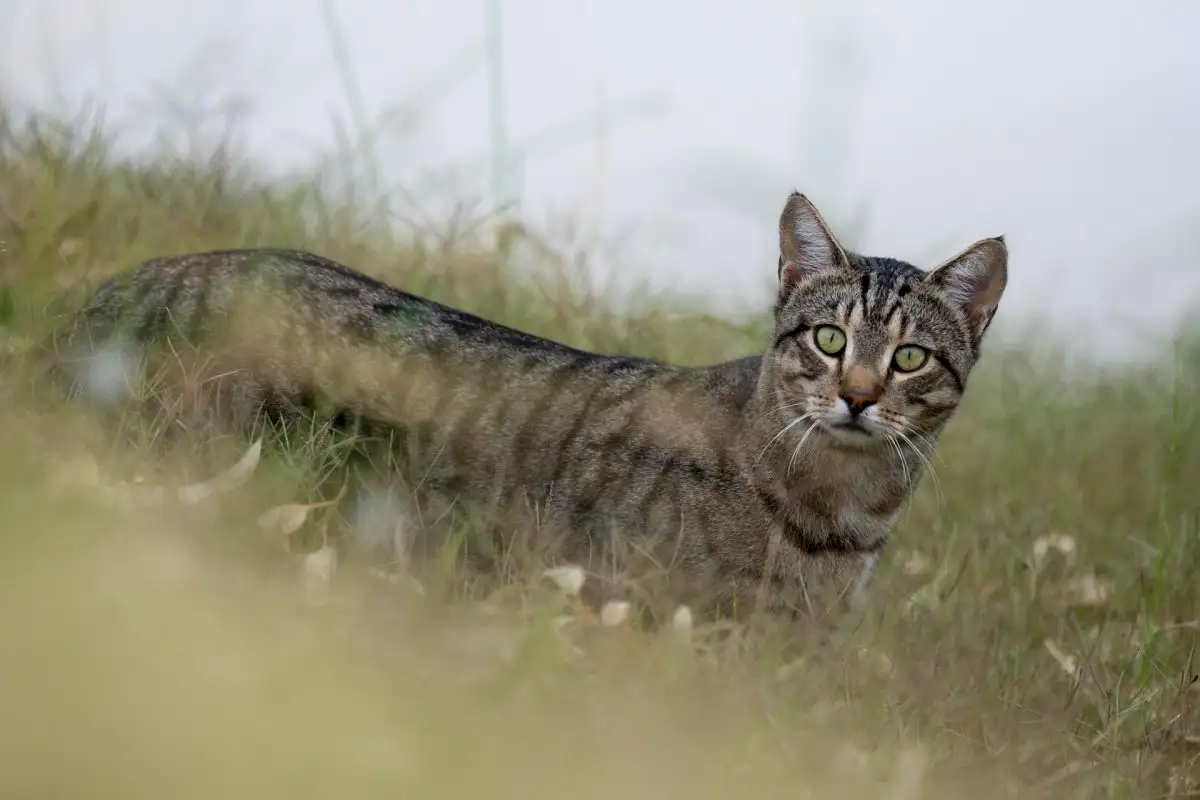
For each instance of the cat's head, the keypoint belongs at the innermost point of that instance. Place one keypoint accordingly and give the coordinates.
(874, 350)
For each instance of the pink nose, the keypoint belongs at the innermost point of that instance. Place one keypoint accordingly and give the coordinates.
(858, 398)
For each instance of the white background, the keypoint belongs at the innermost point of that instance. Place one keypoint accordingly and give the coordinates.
(1071, 126)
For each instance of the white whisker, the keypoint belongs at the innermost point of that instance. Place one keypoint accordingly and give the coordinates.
(923, 436)
(795, 403)
(937, 484)
(783, 431)
(795, 453)
(891, 440)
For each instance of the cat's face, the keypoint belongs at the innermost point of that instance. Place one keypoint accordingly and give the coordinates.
(873, 351)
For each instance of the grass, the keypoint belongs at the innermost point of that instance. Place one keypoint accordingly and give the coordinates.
(1032, 632)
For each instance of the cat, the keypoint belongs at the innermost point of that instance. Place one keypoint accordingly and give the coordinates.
(765, 482)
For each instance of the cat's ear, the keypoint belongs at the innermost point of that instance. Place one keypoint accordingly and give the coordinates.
(806, 246)
(974, 280)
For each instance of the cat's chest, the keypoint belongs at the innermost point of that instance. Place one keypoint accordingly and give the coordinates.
(862, 510)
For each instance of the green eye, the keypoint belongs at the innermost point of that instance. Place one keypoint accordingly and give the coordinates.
(831, 340)
(910, 358)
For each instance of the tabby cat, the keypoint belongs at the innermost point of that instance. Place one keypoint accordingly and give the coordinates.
(764, 481)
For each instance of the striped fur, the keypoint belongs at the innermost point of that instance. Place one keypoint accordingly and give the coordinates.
(741, 475)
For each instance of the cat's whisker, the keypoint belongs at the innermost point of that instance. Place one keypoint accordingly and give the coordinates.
(937, 484)
(891, 440)
(800, 402)
(788, 406)
(925, 437)
(795, 453)
(784, 431)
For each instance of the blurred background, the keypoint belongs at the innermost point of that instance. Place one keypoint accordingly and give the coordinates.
(668, 134)
(1035, 622)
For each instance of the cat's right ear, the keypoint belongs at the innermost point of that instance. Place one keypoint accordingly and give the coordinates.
(806, 246)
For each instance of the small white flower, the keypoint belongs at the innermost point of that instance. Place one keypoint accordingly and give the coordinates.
(380, 518)
(227, 481)
(917, 563)
(318, 574)
(108, 375)
(614, 613)
(1059, 542)
(401, 579)
(569, 578)
(1068, 662)
(682, 621)
(1088, 590)
(878, 659)
(929, 596)
(285, 519)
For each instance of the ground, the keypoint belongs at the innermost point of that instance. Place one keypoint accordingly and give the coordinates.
(1032, 631)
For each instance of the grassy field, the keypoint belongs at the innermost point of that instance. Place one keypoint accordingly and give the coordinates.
(1032, 633)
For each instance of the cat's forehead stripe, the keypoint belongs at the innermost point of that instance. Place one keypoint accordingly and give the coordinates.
(878, 302)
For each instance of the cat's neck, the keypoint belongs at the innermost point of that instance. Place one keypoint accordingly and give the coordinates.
(803, 464)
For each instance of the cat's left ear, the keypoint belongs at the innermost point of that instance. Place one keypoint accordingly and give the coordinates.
(974, 280)
(807, 247)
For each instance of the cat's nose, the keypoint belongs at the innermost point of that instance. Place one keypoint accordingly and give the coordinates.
(859, 399)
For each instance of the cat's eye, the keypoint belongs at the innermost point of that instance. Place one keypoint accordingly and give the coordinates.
(910, 358)
(829, 339)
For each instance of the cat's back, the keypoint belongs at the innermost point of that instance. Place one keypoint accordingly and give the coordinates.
(298, 321)
(184, 294)
(295, 321)
(285, 293)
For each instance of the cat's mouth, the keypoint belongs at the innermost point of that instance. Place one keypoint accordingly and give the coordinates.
(851, 430)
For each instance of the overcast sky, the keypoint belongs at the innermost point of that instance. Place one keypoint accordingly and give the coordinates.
(1068, 125)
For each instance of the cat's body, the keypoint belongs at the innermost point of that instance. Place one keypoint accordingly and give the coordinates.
(739, 477)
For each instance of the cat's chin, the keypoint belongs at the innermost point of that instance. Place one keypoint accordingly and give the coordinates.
(851, 434)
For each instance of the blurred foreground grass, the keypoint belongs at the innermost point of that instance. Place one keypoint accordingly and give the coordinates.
(1032, 632)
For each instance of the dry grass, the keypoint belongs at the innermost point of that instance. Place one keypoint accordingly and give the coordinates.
(1032, 634)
